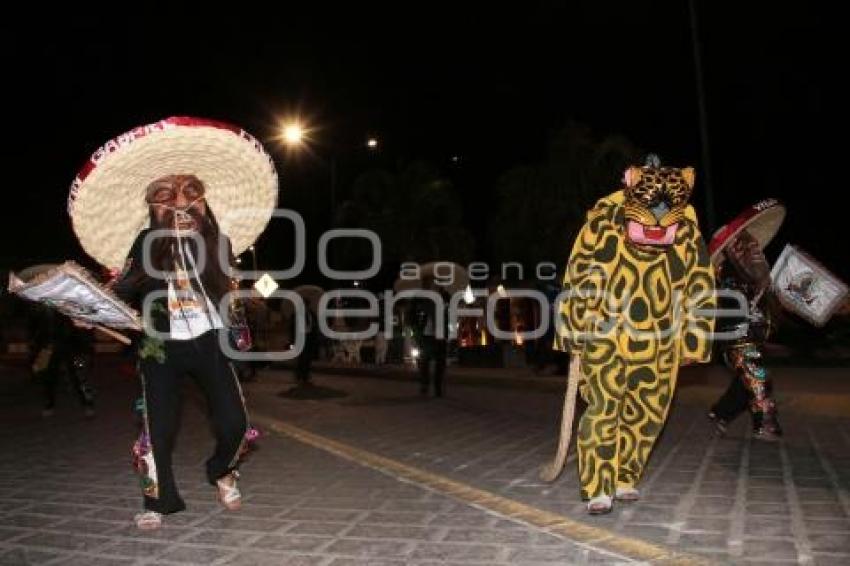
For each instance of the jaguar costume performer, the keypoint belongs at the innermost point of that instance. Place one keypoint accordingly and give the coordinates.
(637, 303)
(737, 253)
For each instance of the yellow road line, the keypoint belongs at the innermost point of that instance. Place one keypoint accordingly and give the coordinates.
(558, 525)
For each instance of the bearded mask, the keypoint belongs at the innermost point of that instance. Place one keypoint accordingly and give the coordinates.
(746, 255)
(177, 202)
(656, 199)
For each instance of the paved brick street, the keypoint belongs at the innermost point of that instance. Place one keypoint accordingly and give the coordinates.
(445, 469)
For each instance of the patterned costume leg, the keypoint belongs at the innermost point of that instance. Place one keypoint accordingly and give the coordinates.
(161, 390)
(746, 362)
(597, 430)
(643, 412)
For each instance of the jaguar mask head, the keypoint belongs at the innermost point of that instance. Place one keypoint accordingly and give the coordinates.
(656, 199)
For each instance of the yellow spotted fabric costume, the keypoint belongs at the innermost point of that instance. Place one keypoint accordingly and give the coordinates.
(634, 313)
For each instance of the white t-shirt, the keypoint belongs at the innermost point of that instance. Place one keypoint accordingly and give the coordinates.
(188, 314)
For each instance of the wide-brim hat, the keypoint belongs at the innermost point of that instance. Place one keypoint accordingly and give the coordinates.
(107, 198)
(762, 220)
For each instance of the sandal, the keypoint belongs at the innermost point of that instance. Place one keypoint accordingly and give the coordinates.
(627, 494)
(148, 521)
(600, 505)
(228, 494)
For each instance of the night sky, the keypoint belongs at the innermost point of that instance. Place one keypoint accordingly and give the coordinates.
(430, 81)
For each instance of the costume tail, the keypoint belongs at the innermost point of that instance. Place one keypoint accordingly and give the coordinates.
(553, 469)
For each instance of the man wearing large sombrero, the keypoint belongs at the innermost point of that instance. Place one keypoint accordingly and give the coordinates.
(737, 252)
(172, 202)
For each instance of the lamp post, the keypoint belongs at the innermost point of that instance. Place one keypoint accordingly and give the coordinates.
(253, 249)
(372, 146)
(703, 117)
(294, 136)
(238, 261)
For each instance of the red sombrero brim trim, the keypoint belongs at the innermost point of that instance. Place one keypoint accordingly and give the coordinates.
(765, 209)
(240, 175)
(140, 132)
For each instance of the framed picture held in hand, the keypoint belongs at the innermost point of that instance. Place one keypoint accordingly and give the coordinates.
(76, 293)
(805, 287)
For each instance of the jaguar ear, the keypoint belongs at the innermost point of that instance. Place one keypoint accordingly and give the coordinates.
(689, 175)
(632, 176)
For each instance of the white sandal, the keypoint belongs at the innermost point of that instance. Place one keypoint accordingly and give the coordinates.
(148, 521)
(228, 494)
(600, 505)
(627, 494)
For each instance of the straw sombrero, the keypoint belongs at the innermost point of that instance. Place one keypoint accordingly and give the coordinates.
(106, 202)
(762, 220)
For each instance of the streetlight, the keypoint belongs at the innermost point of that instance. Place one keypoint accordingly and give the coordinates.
(372, 143)
(293, 133)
